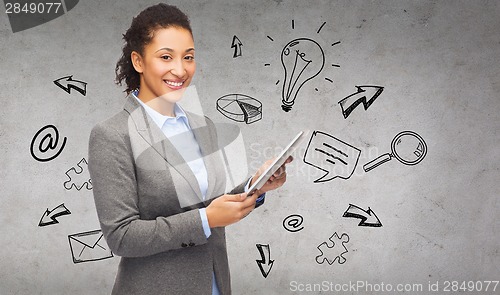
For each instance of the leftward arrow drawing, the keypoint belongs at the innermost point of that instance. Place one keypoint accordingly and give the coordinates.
(237, 46)
(365, 95)
(67, 83)
(49, 216)
(265, 262)
(368, 217)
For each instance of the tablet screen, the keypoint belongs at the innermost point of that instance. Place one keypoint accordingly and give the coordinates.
(276, 164)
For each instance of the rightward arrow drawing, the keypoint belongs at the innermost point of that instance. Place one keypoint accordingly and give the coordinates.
(67, 83)
(365, 95)
(368, 217)
(237, 46)
(49, 216)
(265, 262)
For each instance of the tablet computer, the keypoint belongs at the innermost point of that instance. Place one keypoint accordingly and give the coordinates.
(276, 164)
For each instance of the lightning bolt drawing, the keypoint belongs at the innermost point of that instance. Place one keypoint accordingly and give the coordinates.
(365, 95)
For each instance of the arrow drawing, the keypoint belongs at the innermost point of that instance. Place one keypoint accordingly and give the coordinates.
(49, 216)
(66, 83)
(265, 254)
(349, 103)
(237, 46)
(368, 217)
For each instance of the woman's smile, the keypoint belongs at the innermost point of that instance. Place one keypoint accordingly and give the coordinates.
(175, 85)
(166, 64)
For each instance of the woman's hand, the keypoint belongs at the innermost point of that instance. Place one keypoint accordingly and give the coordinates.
(228, 209)
(276, 180)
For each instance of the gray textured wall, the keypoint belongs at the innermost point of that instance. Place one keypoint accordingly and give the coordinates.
(438, 64)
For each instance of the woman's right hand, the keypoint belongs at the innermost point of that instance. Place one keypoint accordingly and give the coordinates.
(228, 209)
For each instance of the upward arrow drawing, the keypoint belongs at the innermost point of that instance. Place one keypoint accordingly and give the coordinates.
(237, 46)
(66, 83)
(365, 95)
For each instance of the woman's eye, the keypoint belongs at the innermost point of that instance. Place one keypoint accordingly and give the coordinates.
(189, 57)
(166, 57)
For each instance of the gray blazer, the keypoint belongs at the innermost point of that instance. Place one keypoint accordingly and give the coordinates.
(147, 197)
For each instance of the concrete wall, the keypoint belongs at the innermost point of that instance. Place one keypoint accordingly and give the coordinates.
(437, 62)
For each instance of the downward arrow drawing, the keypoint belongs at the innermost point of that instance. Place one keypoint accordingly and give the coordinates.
(237, 46)
(365, 95)
(66, 83)
(49, 217)
(265, 254)
(368, 218)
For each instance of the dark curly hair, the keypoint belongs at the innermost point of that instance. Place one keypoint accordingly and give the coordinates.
(140, 33)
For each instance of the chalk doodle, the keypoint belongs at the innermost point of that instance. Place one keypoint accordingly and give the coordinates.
(78, 177)
(237, 46)
(67, 83)
(240, 108)
(44, 145)
(334, 65)
(407, 147)
(49, 216)
(365, 95)
(302, 60)
(321, 27)
(265, 263)
(331, 155)
(334, 250)
(88, 246)
(368, 217)
(292, 223)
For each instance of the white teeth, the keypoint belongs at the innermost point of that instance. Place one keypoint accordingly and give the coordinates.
(175, 84)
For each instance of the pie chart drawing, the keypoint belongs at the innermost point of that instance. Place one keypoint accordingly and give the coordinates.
(240, 108)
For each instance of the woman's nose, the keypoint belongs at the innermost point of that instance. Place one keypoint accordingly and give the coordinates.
(178, 68)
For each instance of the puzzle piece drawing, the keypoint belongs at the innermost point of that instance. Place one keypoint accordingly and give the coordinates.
(78, 177)
(334, 252)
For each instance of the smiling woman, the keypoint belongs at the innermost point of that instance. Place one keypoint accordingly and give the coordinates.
(149, 158)
(165, 69)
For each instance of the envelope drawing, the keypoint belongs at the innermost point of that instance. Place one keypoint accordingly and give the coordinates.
(89, 246)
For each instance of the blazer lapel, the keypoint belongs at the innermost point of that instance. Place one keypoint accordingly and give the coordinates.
(153, 135)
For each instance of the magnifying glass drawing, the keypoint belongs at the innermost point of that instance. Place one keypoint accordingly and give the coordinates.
(407, 147)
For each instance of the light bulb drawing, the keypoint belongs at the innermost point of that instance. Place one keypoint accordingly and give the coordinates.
(302, 60)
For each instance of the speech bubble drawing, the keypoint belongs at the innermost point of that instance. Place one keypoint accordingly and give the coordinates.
(331, 155)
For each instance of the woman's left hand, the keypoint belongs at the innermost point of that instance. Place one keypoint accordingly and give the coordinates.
(276, 180)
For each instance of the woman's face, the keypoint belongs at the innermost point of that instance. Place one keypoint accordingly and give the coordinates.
(167, 64)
